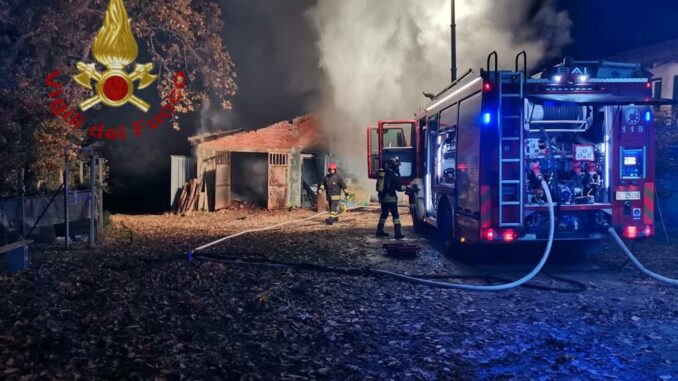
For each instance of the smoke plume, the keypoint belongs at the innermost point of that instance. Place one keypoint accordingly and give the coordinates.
(379, 55)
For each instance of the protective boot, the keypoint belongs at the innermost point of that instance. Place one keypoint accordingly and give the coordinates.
(398, 232)
(380, 231)
(329, 220)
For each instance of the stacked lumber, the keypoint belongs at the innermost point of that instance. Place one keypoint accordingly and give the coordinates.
(188, 201)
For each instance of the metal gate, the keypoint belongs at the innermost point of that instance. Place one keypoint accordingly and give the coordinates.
(278, 180)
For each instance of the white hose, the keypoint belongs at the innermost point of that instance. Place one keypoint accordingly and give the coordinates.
(427, 282)
(220, 240)
(498, 287)
(639, 266)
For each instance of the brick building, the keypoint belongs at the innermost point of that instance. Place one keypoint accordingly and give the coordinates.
(275, 166)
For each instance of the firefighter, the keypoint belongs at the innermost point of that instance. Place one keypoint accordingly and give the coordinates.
(388, 183)
(333, 185)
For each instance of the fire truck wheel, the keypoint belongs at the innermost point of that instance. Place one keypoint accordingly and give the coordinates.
(417, 212)
(443, 234)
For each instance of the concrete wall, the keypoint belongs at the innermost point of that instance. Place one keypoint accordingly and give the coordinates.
(295, 179)
(666, 72)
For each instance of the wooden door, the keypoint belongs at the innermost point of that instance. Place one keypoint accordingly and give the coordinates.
(278, 180)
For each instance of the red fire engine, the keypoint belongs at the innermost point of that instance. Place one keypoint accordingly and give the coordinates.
(478, 149)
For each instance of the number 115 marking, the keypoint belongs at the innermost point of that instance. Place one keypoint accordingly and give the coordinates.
(639, 129)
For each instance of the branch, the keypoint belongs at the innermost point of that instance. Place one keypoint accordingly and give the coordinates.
(84, 8)
(87, 50)
(183, 41)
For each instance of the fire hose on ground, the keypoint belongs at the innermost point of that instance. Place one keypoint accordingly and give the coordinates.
(639, 266)
(408, 278)
(422, 279)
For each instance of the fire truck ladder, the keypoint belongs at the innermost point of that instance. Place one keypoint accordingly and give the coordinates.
(510, 126)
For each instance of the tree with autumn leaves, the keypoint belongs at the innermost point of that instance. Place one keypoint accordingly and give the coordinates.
(38, 37)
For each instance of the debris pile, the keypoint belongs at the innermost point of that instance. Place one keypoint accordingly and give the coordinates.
(243, 205)
(189, 199)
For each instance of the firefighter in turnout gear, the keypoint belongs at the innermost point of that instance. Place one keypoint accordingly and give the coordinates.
(333, 185)
(388, 183)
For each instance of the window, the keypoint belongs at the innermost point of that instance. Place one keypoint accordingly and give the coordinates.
(448, 117)
(394, 138)
(657, 89)
(447, 156)
(468, 155)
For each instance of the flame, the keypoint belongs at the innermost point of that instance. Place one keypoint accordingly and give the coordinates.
(114, 46)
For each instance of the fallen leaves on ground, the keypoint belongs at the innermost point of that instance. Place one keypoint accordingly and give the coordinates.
(134, 308)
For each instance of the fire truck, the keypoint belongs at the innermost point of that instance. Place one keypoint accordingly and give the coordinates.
(478, 150)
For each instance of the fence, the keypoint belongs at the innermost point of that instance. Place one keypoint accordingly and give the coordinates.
(37, 206)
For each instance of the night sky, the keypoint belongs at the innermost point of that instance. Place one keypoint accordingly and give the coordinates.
(279, 78)
(604, 27)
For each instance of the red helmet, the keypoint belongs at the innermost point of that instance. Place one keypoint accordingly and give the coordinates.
(332, 166)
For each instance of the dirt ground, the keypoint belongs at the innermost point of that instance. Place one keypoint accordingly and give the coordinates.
(135, 308)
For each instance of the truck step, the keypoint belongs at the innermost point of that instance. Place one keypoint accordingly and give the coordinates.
(509, 224)
(509, 203)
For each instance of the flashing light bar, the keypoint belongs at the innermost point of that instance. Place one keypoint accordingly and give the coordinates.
(487, 118)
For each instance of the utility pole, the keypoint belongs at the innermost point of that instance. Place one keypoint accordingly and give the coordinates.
(453, 38)
(92, 198)
(22, 190)
(68, 233)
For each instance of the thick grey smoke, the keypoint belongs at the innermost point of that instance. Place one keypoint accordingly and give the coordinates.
(379, 55)
(217, 119)
(273, 47)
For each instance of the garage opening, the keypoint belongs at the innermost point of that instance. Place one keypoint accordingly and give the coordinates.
(249, 178)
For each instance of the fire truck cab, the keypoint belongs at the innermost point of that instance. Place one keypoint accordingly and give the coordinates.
(478, 150)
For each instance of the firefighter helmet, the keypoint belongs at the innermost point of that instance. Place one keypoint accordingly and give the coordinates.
(332, 167)
(394, 162)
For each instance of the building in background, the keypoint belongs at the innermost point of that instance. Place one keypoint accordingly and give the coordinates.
(662, 61)
(273, 167)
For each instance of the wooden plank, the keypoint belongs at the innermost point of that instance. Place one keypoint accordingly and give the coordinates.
(15, 245)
